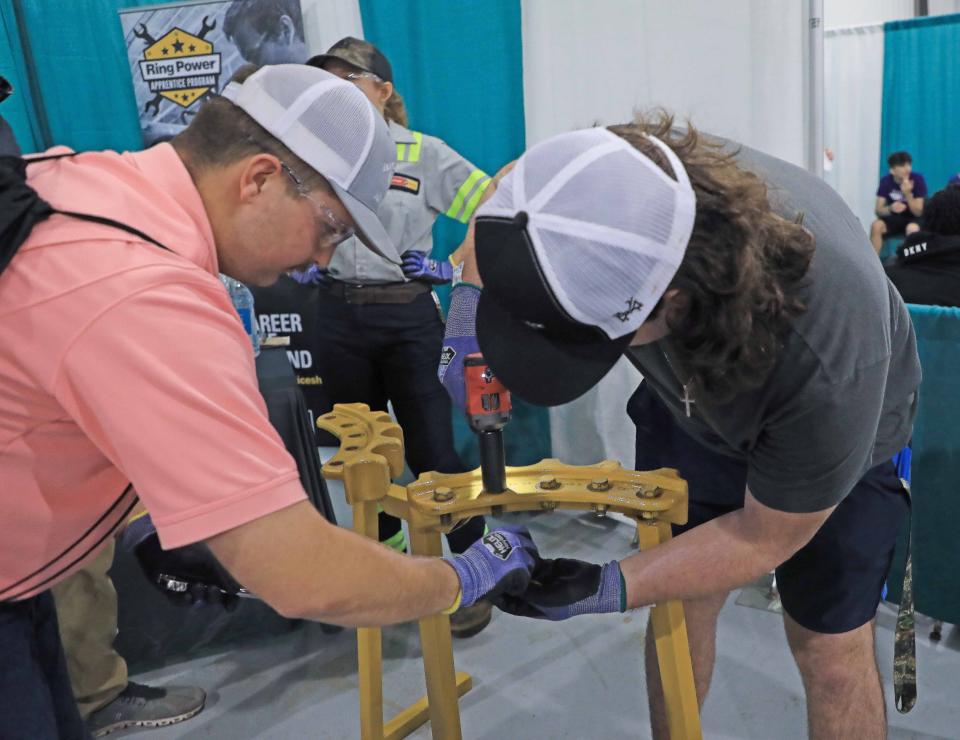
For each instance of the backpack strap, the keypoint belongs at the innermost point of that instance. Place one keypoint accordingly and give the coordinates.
(104, 220)
(116, 224)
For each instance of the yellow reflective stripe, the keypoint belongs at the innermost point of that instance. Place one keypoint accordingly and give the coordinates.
(475, 200)
(415, 147)
(401, 152)
(454, 210)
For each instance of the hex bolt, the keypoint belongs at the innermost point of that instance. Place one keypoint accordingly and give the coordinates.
(548, 505)
(443, 494)
(549, 484)
(599, 484)
(655, 492)
(445, 520)
(647, 515)
(601, 510)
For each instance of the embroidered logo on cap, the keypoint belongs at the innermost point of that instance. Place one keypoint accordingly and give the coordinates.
(632, 305)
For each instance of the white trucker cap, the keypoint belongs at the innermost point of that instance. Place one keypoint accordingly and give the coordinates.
(575, 248)
(330, 125)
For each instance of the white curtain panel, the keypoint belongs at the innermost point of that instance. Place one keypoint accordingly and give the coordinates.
(736, 69)
(853, 98)
(842, 13)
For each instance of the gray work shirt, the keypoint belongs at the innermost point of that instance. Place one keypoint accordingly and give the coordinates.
(430, 179)
(843, 393)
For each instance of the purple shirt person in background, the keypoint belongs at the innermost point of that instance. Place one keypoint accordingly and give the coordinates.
(899, 200)
(955, 180)
(889, 188)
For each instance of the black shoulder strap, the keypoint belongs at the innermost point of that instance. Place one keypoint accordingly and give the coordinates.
(110, 222)
(91, 217)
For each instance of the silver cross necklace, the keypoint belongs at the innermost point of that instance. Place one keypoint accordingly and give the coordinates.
(687, 399)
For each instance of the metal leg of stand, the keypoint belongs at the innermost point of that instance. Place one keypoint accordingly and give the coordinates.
(437, 646)
(673, 651)
(369, 655)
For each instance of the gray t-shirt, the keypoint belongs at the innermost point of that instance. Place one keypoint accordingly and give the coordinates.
(843, 393)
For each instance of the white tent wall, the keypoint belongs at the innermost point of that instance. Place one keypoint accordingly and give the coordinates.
(722, 64)
(840, 13)
(853, 82)
(943, 7)
(736, 69)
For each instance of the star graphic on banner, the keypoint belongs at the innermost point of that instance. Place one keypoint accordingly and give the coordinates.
(178, 46)
(184, 96)
(165, 50)
(193, 47)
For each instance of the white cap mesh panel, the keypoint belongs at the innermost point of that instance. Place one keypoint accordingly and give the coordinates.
(541, 163)
(577, 266)
(325, 121)
(331, 118)
(608, 226)
(644, 203)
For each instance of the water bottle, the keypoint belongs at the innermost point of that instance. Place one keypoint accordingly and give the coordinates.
(243, 303)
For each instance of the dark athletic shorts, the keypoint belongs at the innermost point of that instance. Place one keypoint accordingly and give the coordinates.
(833, 584)
(897, 222)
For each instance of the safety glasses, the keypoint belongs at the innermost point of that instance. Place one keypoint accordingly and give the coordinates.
(337, 230)
(354, 76)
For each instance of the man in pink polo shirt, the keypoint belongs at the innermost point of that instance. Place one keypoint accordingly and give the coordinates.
(123, 363)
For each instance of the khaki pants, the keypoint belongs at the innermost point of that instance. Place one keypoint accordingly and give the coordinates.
(87, 612)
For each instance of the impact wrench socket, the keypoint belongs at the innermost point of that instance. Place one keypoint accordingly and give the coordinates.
(488, 411)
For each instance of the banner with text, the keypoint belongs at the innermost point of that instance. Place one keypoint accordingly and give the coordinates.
(180, 54)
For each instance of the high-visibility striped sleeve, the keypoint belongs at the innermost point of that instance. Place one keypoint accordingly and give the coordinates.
(414, 153)
(477, 182)
(474, 200)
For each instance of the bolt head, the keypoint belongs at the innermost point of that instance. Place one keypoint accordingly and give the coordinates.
(549, 483)
(443, 494)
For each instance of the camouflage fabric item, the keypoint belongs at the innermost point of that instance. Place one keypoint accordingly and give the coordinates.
(905, 644)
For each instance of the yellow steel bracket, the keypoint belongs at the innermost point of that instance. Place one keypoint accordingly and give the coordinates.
(371, 454)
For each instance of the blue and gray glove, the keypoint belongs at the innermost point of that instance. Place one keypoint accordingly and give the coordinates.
(185, 575)
(459, 340)
(420, 266)
(564, 588)
(313, 275)
(496, 565)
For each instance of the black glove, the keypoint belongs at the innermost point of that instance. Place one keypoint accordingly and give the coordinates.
(564, 588)
(185, 575)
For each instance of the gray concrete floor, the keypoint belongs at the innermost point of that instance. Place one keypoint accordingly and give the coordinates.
(577, 679)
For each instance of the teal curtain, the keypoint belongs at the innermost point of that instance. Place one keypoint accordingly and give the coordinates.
(19, 109)
(459, 67)
(935, 469)
(79, 59)
(921, 96)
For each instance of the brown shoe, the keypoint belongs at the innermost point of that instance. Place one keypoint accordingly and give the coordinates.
(469, 620)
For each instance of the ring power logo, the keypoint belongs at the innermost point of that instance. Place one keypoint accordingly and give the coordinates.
(179, 66)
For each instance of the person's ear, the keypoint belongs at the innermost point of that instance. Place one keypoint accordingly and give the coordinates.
(256, 173)
(287, 30)
(385, 91)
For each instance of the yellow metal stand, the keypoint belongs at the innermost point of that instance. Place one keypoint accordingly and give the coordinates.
(371, 455)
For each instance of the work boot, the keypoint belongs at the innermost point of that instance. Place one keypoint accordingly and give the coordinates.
(469, 620)
(146, 706)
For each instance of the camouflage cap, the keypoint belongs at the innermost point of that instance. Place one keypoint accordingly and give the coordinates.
(361, 54)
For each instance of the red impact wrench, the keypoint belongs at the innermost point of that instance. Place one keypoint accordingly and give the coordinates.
(488, 411)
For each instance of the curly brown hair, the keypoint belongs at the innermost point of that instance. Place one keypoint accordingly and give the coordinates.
(738, 282)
